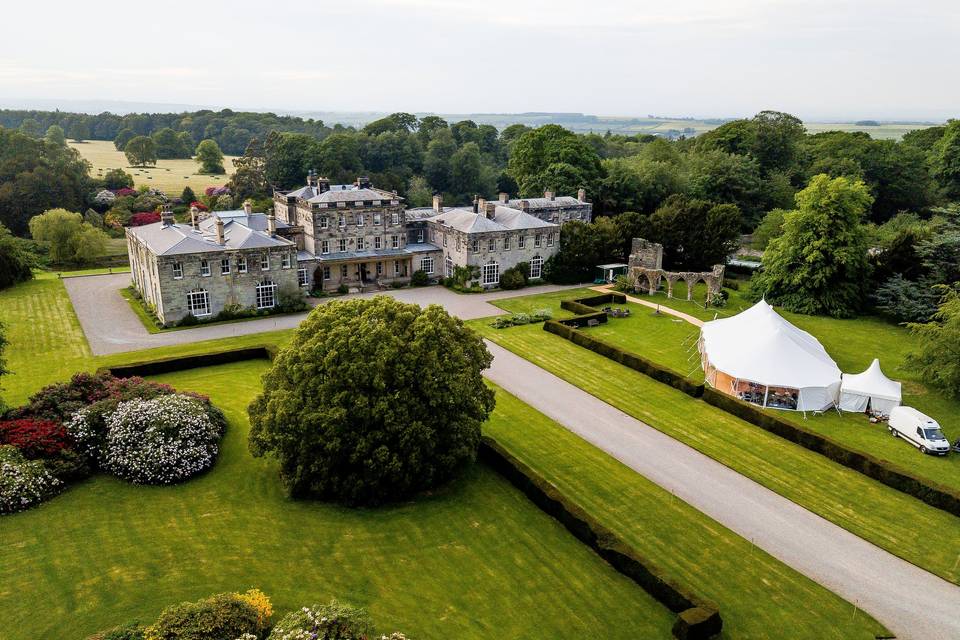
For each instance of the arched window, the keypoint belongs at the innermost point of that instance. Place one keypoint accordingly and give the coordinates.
(491, 273)
(198, 303)
(536, 267)
(266, 295)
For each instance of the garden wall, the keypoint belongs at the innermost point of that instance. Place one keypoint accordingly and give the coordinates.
(936, 495)
(696, 618)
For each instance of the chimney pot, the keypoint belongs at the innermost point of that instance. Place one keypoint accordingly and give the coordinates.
(504, 197)
(220, 238)
(582, 195)
(548, 195)
(491, 210)
(476, 203)
(194, 218)
(166, 215)
(247, 207)
(438, 203)
(481, 205)
(524, 205)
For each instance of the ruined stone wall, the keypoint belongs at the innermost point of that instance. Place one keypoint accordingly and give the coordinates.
(646, 272)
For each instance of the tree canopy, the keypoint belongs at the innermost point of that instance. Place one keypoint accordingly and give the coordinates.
(695, 234)
(141, 151)
(209, 157)
(16, 261)
(71, 240)
(819, 264)
(938, 357)
(373, 401)
(552, 153)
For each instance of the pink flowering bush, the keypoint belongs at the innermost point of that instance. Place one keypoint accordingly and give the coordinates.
(23, 483)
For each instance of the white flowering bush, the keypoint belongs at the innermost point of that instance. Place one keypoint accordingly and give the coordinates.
(159, 441)
(324, 622)
(23, 483)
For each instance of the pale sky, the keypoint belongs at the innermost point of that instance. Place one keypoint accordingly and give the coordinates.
(819, 59)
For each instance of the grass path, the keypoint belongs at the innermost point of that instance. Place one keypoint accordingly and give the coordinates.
(474, 560)
(892, 520)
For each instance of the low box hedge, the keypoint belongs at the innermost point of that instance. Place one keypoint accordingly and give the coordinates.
(697, 618)
(883, 471)
(180, 363)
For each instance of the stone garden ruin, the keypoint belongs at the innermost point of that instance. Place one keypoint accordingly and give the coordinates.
(646, 271)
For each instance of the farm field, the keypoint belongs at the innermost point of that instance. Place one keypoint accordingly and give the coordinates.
(890, 519)
(106, 551)
(169, 175)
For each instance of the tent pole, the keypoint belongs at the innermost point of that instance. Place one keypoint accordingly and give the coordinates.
(766, 395)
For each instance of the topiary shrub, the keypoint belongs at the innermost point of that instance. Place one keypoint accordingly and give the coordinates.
(419, 278)
(160, 441)
(512, 278)
(225, 616)
(332, 621)
(23, 483)
(373, 401)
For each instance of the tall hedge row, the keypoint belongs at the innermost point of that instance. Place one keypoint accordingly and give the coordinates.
(180, 363)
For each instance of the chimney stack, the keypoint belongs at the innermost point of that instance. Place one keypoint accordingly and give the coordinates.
(311, 177)
(247, 207)
(272, 224)
(194, 218)
(548, 195)
(476, 203)
(323, 184)
(363, 182)
(504, 197)
(220, 239)
(524, 205)
(491, 210)
(166, 216)
(438, 203)
(582, 194)
(481, 205)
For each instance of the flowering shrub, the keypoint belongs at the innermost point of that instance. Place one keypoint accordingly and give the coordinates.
(144, 217)
(35, 438)
(104, 197)
(159, 441)
(200, 206)
(125, 191)
(324, 622)
(261, 602)
(23, 483)
(224, 616)
(217, 191)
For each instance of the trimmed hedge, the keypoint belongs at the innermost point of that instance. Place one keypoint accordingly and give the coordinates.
(933, 494)
(698, 618)
(626, 358)
(583, 307)
(179, 363)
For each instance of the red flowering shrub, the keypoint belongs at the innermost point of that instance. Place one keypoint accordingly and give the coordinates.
(35, 438)
(144, 217)
(125, 191)
(200, 206)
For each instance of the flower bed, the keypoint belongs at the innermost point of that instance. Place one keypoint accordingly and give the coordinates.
(135, 429)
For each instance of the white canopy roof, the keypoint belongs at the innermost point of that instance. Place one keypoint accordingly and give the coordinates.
(872, 383)
(760, 346)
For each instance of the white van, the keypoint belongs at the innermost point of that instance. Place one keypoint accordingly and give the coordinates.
(920, 430)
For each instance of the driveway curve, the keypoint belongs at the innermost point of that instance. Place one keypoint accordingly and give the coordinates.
(911, 602)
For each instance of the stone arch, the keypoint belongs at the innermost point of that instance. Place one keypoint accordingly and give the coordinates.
(691, 279)
(671, 279)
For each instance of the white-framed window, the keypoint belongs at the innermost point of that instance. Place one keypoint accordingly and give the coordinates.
(266, 295)
(395, 242)
(177, 270)
(396, 267)
(426, 265)
(324, 222)
(395, 218)
(302, 277)
(285, 263)
(377, 242)
(241, 264)
(521, 241)
(491, 273)
(359, 219)
(506, 243)
(536, 241)
(444, 239)
(343, 271)
(474, 245)
(224, 266)
(361, 243)
(326, 273)
(342, 222)
(536, 267)
(419, 235)
(379, 268)
(198, 303)
(324, 246)
(550, 239)
(492, 244)
(377, 218)
(264, 262)
(342, 242)
(204, 268)
(448, 266)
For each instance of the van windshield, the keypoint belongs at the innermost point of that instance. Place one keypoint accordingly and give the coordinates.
(933, 434)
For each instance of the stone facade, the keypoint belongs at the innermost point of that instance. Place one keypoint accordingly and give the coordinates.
(646, 272)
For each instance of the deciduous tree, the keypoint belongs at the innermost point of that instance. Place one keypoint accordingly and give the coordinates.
(141, 151)
(209, 157)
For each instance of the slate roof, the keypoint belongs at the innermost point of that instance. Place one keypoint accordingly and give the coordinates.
(505, 219)
(353, 194)
(182, 239)
(546, 203)
(368, 254)
(256, 221)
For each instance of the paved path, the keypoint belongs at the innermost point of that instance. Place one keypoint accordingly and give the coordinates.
(111, 326)
(911, 602)
(697, 322)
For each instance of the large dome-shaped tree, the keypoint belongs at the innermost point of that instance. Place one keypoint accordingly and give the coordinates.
(373, 401)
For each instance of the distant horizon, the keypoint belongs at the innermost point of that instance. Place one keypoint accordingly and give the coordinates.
(123, 107)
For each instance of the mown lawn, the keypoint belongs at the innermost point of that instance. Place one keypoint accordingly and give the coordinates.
(759, 596)
(853, 343)
(888, 518)
(473, 560)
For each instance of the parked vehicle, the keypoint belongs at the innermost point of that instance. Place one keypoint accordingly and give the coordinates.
(918, 429)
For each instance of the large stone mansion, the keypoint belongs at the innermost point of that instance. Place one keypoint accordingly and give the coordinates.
(330, 237)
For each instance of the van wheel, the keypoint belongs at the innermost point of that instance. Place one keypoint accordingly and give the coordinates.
(923, 449)
(893, 432)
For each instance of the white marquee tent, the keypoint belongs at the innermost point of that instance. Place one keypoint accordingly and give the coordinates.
(870, 388)
(759, 357)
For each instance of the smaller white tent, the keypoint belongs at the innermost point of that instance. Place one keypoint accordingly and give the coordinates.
(870, 388)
